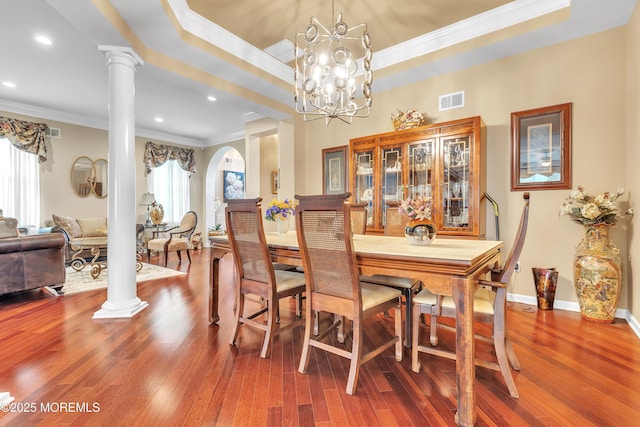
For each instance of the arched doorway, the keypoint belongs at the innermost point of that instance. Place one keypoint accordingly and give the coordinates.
(225, 159)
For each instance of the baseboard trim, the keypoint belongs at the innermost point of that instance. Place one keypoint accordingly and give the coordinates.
(573, 306)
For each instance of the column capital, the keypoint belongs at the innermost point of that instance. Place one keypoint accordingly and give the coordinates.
(123, 51)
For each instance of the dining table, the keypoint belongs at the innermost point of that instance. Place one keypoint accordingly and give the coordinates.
(448, 266)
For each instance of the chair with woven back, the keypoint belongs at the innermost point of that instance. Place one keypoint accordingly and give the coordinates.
(333, 284)
(489, 306)
(394, 226)
(358, 218)
(179, 238)
(256, 275)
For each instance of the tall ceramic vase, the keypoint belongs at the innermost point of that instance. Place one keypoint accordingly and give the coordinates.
(597, 274)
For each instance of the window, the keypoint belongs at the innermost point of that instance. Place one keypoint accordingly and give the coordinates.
(170, 184)
(20, 178)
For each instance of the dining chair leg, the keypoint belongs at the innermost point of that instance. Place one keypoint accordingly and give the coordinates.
(511, 354)
(165, 258)
(356, 355)
(271, 325)
(236, 325)
(304, 357)
(408, 298)
(189, 256)
(415, 320)
(398, 332)
(503, 363)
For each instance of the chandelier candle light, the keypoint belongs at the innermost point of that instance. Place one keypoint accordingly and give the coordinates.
(334, 80)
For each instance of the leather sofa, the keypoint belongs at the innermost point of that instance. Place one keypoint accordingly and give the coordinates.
(33, 261)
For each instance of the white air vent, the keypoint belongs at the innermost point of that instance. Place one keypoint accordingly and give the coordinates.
(53, 132)
(451, 101)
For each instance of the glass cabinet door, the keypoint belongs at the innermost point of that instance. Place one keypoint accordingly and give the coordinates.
(420, 169)
(364, 182)
(455, 187)
(391, 179)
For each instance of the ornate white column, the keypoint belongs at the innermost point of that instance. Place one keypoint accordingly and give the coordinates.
(122, 300)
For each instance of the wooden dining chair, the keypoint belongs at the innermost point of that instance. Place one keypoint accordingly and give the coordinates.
(179, 238)
(255, 273)
(333, 285)
(489, 306)
(358, 218)
(394, 226)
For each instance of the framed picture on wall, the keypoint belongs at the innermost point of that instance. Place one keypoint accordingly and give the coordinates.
(233, 183)
(541, 148)
(334, 170)
(275, 182)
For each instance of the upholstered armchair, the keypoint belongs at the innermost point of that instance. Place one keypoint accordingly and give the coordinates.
(179, 238)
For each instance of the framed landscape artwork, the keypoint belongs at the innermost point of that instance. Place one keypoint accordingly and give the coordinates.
(541, 148)
(334, 170)
(233, 183)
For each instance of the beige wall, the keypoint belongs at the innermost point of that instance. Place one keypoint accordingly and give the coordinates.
(632, 152)
(57, 195)
(589, 72)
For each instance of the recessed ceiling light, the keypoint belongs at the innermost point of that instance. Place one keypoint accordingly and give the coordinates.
(211, 98)
(44, 40)
(9, 84)
(159, 119)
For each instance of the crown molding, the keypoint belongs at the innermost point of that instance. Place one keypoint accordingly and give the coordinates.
(476, 26)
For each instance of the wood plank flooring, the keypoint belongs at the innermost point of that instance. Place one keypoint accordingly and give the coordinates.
(167, 366)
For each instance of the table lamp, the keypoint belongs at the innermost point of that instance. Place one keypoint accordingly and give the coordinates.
(147, 200)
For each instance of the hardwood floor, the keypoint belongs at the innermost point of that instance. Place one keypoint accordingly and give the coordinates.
(168, 366)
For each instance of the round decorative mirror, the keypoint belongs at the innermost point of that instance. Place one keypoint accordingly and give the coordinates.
(100, 188)
(88, 176)
(82, 174)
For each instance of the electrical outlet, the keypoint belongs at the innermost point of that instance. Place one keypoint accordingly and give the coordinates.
(517, 269)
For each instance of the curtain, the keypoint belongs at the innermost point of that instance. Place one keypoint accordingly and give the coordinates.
(26, 136)
(20, 180)
(156, 155)
(170, 185)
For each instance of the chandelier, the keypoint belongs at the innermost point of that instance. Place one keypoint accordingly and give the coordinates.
(334, 77)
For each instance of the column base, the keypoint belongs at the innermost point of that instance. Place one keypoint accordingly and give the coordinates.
(5, 398)
(110, 310)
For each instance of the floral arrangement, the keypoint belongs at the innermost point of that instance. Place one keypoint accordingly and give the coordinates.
(411, 118)
(417, 208)
(279, 209)
(586, 209)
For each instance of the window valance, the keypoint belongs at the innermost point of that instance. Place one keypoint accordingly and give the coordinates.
(156, 155)
(26, 136)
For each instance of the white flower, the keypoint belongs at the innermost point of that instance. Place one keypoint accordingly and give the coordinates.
(590, 211)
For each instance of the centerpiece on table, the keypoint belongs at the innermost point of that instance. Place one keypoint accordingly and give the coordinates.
(420, 230)
(597, 268)
(280, 211)
(408, 119)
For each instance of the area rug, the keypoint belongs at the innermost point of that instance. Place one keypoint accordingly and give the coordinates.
(81, 281)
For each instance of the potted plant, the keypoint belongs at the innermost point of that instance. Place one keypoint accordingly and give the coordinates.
(216, 230)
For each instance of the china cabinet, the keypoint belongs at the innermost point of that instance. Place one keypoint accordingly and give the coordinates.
(445, 161)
